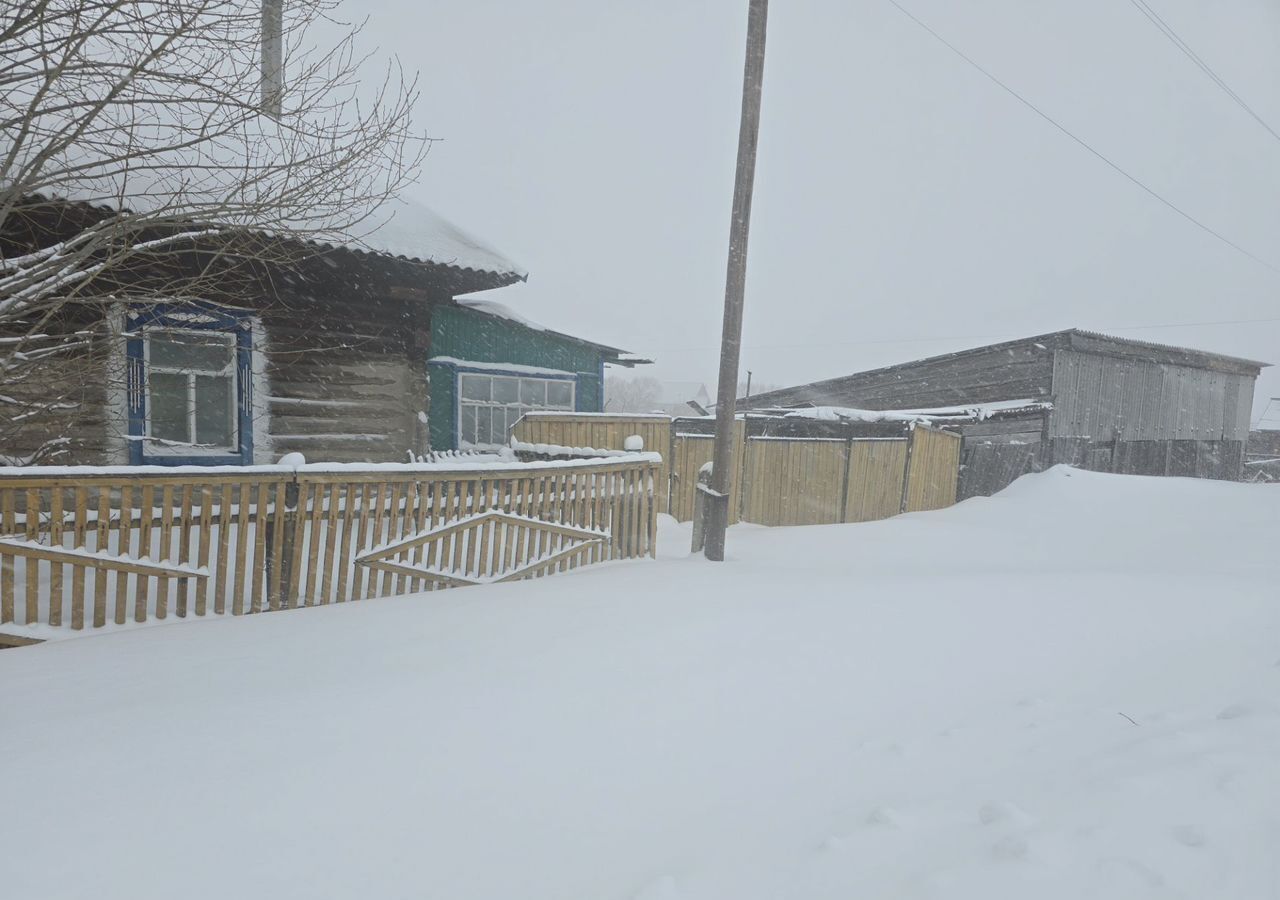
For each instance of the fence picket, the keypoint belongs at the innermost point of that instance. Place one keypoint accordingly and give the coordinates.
(273, 541)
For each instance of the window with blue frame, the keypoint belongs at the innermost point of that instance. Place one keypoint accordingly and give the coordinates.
(190, 386)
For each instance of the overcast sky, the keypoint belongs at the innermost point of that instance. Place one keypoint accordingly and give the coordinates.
(905, 205)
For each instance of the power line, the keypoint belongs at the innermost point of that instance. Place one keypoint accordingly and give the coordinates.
(1077, 139)
(1167, 30)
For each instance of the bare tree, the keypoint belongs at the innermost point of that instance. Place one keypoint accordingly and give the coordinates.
(641, 394)
(134, 132)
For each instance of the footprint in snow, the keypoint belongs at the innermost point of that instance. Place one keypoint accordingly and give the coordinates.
(1235, 711)
(1188, 836)
(883, 816)
(996, 813)
(1010, 848)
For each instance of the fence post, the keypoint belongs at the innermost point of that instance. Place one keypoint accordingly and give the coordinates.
(286, 519)
(700, 508)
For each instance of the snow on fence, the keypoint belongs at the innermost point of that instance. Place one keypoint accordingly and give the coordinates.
(84, 547)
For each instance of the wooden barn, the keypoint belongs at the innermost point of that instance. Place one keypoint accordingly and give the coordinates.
(343, 352)
(1076, 397)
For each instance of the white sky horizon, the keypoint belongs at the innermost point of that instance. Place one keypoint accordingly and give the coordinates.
(905, 205)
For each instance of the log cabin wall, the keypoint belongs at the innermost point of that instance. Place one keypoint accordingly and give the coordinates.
(346, 381)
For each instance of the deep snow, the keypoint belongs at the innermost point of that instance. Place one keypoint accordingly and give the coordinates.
(1065, 691)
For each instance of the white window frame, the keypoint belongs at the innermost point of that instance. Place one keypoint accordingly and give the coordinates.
(519, 406)
(163, 447)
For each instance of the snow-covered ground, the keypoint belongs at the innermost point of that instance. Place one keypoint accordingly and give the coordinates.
(1066, 691)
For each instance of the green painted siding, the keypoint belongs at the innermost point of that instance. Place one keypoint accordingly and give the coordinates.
(479, 338)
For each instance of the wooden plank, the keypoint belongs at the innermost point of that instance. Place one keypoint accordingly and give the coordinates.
(311, 542)
(542, 564)
(203, 540)
(186, 521)
(370, 496)
(238, 593)
(278, 522)
(349, 528)
(32, 570)
(56, 593)
(81, 501)
(124, 547)
(166, 549)
(7, 526)
(224, 537)
(262, 517)
(389, 582)
(482, 566)
(439, 491)
(62, 555)
(102, 541)
(373, 524)
(384, 512)
(444, 547)
(387, 565)
(332, 523)
(142, 586)
(296, 522)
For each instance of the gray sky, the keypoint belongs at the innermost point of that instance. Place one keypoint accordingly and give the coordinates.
(905, 205)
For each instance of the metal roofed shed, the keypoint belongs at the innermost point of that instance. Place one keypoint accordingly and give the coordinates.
(1111, 404)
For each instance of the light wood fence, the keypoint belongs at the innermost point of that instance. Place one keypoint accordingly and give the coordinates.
(806, 476)
(601, 431)
(82, 549)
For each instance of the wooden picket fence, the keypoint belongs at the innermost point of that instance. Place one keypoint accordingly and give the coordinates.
(80, 547)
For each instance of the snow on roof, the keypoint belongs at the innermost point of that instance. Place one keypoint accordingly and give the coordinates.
(409, 229)
(971, 412)
(501, 311)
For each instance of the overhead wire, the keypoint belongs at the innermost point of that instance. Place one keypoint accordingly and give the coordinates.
(1150, 191)
(1167, 30)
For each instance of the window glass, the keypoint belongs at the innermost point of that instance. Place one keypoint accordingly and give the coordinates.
(468, 426)
(190, 350)
(475, 387)
(560, 394)
(490, 405)
(533, 392)
(169, 407)
(506, 390)
(484, 425)
(214, 410)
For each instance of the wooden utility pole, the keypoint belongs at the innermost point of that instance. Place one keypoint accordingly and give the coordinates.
(717, 505)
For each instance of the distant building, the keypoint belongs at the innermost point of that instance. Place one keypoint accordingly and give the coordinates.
(677, 394)
(1094, 401)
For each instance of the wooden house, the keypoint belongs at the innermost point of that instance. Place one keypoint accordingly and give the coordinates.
(1073, 396)
(343, 352)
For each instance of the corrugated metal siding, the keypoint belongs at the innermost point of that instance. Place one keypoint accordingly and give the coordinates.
(1104, 397)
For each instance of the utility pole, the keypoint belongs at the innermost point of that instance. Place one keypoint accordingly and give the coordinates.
(717, 505)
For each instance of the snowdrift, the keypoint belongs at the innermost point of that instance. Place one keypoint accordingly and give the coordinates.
(1064, 691)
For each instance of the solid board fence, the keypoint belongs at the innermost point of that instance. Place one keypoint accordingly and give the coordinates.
(792, 471)
(600, 431)
(82, 548)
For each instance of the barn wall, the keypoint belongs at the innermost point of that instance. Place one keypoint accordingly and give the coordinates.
(1105, 397)
(1022, 371)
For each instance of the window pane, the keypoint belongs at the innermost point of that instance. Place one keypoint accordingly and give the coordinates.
(484, 424)
(560, 394)
(532, 392)
(506, 390)
(475, 387)
(468, 423)
(167, 399)
(190, 350)
(214, 406)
